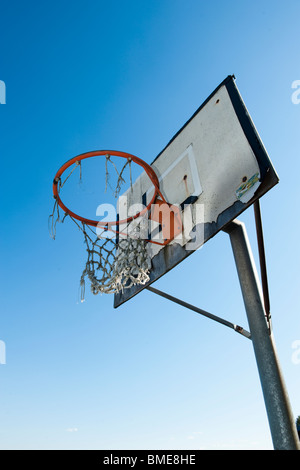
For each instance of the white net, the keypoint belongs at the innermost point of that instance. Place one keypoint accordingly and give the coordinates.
(113, 264)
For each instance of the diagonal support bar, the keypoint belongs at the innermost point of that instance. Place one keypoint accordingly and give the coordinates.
(236, 328)
(262, 260)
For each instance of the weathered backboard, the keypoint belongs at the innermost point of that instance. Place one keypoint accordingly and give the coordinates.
(213, 169)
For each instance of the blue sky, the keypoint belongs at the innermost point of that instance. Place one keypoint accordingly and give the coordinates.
(127, 75)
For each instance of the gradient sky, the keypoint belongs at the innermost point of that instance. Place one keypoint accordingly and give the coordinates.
(126, 75)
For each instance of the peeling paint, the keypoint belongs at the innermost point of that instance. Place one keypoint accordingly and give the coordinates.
(246, 186)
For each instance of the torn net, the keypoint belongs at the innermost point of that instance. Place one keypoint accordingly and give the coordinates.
(113, 264)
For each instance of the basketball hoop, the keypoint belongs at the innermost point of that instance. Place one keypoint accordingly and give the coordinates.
(112, 265)
(130, 158)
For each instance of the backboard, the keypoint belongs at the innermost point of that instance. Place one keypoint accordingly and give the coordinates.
(213, 169)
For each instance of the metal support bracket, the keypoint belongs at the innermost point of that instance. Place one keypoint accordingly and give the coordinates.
(262, 261)
(236, 328)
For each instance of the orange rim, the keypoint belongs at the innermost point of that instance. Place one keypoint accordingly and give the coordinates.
(95, 223)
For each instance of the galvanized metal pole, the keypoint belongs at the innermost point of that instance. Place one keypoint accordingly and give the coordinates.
(280, 416)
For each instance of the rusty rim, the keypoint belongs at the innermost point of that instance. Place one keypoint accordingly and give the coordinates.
(95, 223)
